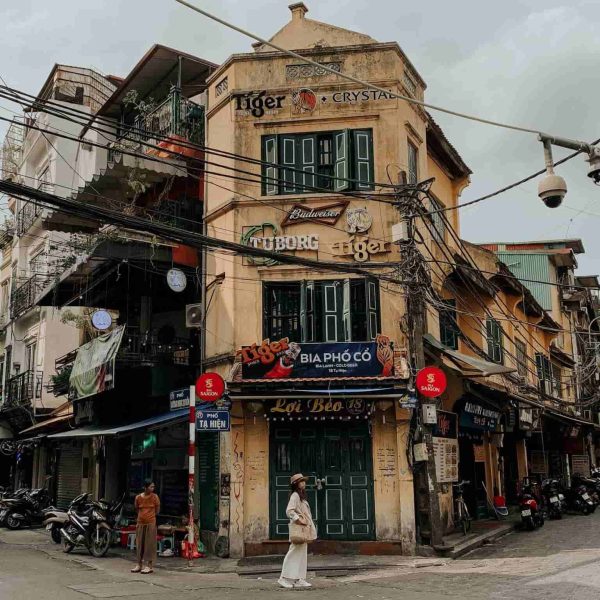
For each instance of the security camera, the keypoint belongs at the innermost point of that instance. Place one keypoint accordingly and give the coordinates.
(552, 189)
(594, 160)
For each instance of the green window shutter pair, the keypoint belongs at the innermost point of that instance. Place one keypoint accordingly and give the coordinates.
(353, 160)
(494, 339)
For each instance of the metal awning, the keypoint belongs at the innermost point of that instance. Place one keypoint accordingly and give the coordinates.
(47, 423)
(466, 365)
(155, 422)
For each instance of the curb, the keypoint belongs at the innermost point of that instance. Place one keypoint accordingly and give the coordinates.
(463, 548)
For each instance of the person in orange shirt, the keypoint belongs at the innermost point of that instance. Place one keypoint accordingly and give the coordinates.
(147, 505)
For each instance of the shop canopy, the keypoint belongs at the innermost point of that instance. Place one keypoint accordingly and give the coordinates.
(150, 423)
(466, 365)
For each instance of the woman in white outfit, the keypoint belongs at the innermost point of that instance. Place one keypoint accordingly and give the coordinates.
(293, 573)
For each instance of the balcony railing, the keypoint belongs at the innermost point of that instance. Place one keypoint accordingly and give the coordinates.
(175, 116)
(146, 349)
(26, 217)
(59, 382)
(24, 296)
(22, 389)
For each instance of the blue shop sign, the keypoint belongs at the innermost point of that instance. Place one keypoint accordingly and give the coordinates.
(213, 420)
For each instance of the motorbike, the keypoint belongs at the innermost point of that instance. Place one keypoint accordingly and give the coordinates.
(591, 484)
(8, 495)
(532, 513)
(579, 500)
(551, 495)
(27, 510)
(55, 520)
(91, 524)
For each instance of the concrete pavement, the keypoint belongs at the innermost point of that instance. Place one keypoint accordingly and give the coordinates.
(559, 561)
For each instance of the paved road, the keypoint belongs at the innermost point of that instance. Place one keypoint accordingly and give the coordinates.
(559, 562)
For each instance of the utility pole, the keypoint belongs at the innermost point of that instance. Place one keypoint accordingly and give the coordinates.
(412, 271)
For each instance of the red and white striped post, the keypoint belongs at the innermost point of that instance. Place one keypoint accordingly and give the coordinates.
(191, 474)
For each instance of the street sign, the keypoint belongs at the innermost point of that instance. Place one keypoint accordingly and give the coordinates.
(210, 387)
(213, 420)
(431, 382)
(181, 399)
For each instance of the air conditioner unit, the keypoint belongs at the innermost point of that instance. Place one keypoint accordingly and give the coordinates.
(193, 315)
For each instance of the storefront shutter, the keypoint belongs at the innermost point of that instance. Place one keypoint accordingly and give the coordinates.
(363, 158)
(342, 152)
(270, 154)
(289, 157)
(69, 475)
(307, 153)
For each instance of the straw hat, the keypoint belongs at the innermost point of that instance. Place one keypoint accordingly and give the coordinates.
(297, 478)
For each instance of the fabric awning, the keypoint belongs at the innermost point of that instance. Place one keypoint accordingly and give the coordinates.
(151, 423)
(466, 365)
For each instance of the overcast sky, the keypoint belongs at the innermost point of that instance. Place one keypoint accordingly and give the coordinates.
(527, 62)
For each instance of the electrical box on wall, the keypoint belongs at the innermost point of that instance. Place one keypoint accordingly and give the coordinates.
(400, 232)
(429, 414)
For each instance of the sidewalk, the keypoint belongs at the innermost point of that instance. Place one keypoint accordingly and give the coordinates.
(482, 532)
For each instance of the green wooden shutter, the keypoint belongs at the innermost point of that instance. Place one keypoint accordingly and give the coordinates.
(373, 325)
(342, 158)
(307, 311)
(362, 158)
(347, 311)
(270, 154)
(307, 155)
(330, 312)
(289, 157)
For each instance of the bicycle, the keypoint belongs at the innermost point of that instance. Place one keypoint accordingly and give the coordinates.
(462, 517)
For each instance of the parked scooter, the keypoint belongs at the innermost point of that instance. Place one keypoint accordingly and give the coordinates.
(91, 524)
(27, 510)
(532, 513)
(551, 494)
(591, 484)
(579, 500)
(55, 520)
(8, 495)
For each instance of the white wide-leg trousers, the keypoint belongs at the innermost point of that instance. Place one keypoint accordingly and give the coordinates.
(295, 562)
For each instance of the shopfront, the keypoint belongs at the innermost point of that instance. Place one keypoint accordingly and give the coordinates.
(335, 453)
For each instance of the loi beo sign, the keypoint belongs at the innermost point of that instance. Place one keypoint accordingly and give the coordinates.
(318, 407)
(283, 359)
(325, 215)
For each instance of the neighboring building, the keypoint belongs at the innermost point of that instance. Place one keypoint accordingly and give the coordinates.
(326, 145)
(34, 333)
(117, 428)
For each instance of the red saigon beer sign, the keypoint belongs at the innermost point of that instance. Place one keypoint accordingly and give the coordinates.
(210, 387)
(431, 382)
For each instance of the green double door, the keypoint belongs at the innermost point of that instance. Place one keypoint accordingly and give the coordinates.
(337, 461)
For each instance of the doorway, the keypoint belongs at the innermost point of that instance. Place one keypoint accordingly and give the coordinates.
(337, 460)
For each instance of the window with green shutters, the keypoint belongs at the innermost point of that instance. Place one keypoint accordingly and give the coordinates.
(448, 325)
(316, 162)
(322, 311)
(494, 341)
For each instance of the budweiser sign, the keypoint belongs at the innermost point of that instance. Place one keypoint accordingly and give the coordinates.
(326, 215)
